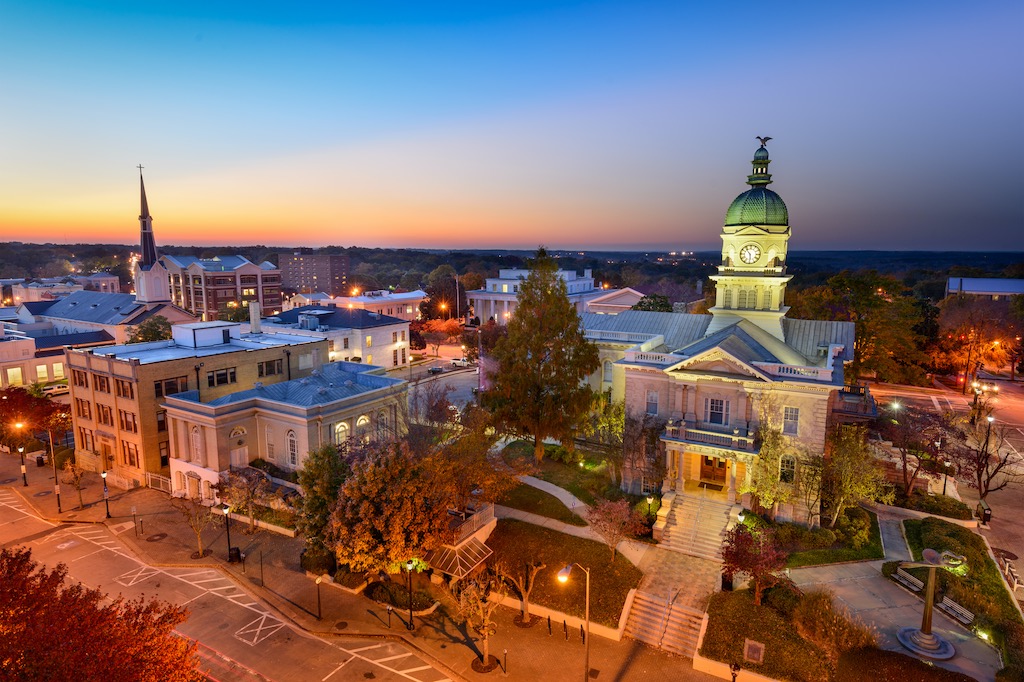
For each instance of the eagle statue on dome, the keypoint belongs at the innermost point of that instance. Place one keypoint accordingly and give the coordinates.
(762, 140)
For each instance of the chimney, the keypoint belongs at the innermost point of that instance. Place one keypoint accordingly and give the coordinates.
(254, 317)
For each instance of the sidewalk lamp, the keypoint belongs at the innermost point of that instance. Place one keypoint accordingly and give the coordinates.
(563, 577)
(21, 451)
(227, 525)
(319, 579)
(408, 569)
(988, 434)
(106, 493)
(650, 500)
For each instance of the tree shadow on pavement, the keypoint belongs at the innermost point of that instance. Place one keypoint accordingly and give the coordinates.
(447, 628)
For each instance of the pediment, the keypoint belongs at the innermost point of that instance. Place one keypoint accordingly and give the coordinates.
(721, 362)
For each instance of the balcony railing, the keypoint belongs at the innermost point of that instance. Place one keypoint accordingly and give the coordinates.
(651, 358)
(473, 523)
(856, 401)
(782, 370)
(708, 434)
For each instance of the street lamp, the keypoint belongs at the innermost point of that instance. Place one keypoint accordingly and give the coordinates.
(408, 569)
(945, 475)
(106, 493)
(227, 525)
(319, 579)
(650, 499)
(563, 577)
(988, 433)
(21, 451)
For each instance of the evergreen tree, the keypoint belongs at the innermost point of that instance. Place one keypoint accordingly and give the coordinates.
(655, 303)
(321, 477)
(539, 390)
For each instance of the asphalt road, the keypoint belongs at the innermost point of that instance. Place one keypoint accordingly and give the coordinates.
(241, 638)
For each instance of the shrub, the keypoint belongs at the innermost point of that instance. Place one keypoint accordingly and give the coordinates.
(397, 595)
(940, 505)
(853, 528)
(318, 560)
(830, 627)
(274, 470)
(889, 567)
(891, 666)
(823, 538)
(783, 597)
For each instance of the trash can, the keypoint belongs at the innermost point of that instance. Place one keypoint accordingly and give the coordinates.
(234, 555)
(984, 511)
(39, 461)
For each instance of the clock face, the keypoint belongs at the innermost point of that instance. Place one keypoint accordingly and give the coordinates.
(750, 253)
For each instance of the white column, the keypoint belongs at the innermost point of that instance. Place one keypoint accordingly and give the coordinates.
(732, 481)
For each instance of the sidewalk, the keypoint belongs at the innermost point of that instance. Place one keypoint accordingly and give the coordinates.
(272, 574)
(881, 603)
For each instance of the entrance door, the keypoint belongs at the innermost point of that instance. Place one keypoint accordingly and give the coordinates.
(240, 457)
(712, 469)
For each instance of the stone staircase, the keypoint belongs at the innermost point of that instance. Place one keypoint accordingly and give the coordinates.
(664, 624)
(695, 525)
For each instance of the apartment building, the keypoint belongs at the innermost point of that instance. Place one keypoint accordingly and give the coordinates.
(210, 286)
(312, 272)
(118, 392)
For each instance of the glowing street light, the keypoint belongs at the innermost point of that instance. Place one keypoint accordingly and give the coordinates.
(227, 525)
(563, 577)
(408, 569)
(106, 493)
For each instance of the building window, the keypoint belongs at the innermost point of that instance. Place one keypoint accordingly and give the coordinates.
(85, 439)
(269, 368)
(394, 358)
(741, 299)
(125, 389)
(102, 384)
(129, 454)
(787, 469)
(649, 486)
(340, 433)
(58, 370)
(403, 335)
(221, 377)
(382, 426)
(166, 387)
(363, 429)
(104, 415)
(79, 378)
(344, 343)
(293, 448)
(127, 421)
(42, 374)
(83, 408)
(197, 446)
(394, 336)
(369, 340)
(727, 299)
(652, 402)
(403, 356)
(165, 453)
(716, 411)
(607, 374)
(791, 421)
(161, 421)
(270, 443)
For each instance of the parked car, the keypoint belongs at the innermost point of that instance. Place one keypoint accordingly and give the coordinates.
(461, 362)
(56, 389)
(435, 370)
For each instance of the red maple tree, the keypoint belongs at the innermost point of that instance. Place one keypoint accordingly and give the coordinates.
(50, 630)
(754, 553)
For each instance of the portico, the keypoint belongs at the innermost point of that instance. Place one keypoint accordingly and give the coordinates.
(719, 461)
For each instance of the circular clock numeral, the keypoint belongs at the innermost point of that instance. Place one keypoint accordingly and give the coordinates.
(750, 253)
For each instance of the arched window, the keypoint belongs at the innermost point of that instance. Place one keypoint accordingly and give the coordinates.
(340, 433)
(727, 299)
(741, 299)
(363, 429)
(787, 469)
(197, 446)
(293, 448)
(607, 377)
(382, 425)
(270, 444)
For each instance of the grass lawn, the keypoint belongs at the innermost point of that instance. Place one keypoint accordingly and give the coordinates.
(530, 499)
(979, 588)
(815, 557)
(515, 542)
(586, 482)
(733, 618)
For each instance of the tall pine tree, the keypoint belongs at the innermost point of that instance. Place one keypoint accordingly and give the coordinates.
(538, 391)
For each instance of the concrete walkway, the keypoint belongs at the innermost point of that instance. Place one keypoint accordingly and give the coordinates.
(272, 575)
(887, 607)
(572, 503)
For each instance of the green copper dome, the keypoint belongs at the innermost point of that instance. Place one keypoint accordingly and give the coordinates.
(758, 205)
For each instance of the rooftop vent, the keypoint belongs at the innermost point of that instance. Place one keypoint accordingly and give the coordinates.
(257, 384)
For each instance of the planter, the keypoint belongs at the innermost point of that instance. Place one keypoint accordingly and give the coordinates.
(614, 634)
(280, 530)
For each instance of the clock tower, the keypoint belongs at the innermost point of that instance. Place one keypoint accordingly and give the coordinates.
(751, 281)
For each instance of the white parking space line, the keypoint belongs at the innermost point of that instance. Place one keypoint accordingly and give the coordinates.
(325, 677)
(365, 648)
(392, 658)
(259, 629)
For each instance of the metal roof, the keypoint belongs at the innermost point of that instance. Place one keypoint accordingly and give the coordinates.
(679, 329)
(79, 339)
(338, 318)
(458, 561)
(92, 306)
(810, 337)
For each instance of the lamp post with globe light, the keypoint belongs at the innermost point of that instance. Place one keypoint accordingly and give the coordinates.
(227, 526)
(563, 577)
(20, 426)
(106, 493)
(408, 569)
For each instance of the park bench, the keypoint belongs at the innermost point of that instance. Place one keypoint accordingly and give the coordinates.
(956, 611)
(1011, 577)
(908, 580)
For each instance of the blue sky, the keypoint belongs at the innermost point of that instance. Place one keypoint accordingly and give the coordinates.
(489, 124)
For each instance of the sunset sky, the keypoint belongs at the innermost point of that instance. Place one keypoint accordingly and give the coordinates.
(493, 124)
